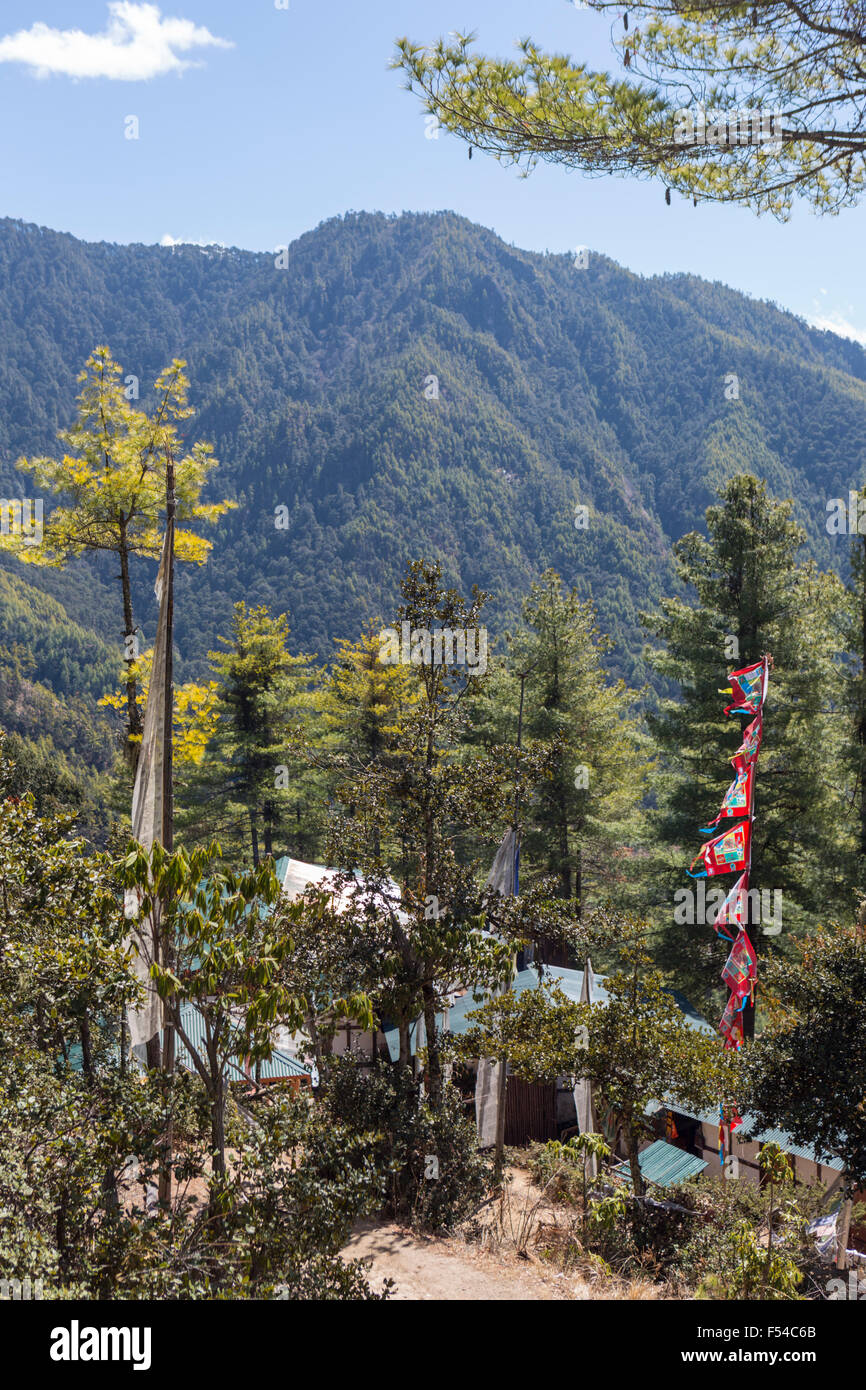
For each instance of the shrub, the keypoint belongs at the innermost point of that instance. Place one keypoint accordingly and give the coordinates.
(435, 1175)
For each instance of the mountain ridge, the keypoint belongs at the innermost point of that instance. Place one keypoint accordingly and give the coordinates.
(556, 386)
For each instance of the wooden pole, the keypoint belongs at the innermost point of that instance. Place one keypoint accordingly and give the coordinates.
(843, 1231)
(168, 1056)
(502, 1077)
(752, 918)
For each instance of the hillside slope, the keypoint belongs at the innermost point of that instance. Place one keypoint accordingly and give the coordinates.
(556, 385)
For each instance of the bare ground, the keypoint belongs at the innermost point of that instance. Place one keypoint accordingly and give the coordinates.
(451, 1269)
(431, 1268)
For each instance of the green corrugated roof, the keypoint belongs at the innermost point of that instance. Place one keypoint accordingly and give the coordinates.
(569, 981)
(665, 1165)
(280, 868)
(279, 1064)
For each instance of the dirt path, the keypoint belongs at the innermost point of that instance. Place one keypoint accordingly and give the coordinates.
(433, 1268)
(445, 1269)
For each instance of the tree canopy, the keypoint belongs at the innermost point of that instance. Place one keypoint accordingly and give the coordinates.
(751, 103)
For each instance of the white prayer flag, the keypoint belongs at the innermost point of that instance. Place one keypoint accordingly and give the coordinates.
(147, 810)
(583, 1105)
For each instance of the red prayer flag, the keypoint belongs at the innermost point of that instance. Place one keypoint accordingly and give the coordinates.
(748, 687)
(732, 912)
(751, 744)
(738, 797)
(741, 968)
(731, 1024)
(727, 853)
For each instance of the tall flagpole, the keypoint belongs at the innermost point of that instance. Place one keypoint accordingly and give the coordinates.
(166, 942)
(502, 1077)
(753, 918)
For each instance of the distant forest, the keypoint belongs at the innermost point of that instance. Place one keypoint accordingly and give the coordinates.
(393, 388)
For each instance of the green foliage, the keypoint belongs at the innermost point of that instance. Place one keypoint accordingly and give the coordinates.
(84, 1132)
(423, 798)
(754, 596)
(563, 1171)
(808, 1067)
(301, 1183)
(595, 762)
(220, 947)
(409, 1134)
(113, 476)
(639, 1048)
(755, 1272)
(555, 388)
(706, 1259)
(800, 62)
(246, 778)
(534, 1030)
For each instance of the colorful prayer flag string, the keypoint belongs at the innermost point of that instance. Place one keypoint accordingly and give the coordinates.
(730, 851)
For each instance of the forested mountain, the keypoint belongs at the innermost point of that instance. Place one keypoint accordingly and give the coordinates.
(557, 385)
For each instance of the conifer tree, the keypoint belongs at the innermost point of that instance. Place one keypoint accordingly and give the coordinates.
(248, 775)
(775, 101)
(364, 705)
(855, 681)
(747, 594)
(577, 816)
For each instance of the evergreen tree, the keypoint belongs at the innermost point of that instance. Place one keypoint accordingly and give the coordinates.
(364, 705)
(577, 815)
(739, 62)
(855, 682)
(248, 774)
(753, 596)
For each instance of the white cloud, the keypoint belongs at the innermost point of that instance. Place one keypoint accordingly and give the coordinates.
(837, 323)
(137, 44)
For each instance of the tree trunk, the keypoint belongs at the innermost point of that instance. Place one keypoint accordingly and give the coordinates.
(86, 1048)
(218, 1128)
(133, 713)
(218, 1143)
(405, 1059)
(318, 1055)
(564, 864)
(434, 1061)
(167, 1148)
(501, 1102)
(634, 1167)
(630, 1137)
(254, 837)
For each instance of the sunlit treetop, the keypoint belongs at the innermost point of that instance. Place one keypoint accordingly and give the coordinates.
(112, 478)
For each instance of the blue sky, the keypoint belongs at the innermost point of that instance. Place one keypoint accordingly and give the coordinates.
(256, 123)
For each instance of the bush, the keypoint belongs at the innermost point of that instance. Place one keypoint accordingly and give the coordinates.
(716, 1248)
(435, 1175)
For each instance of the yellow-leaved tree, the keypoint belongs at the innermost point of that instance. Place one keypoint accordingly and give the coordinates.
(111, 486)
(196, 710)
